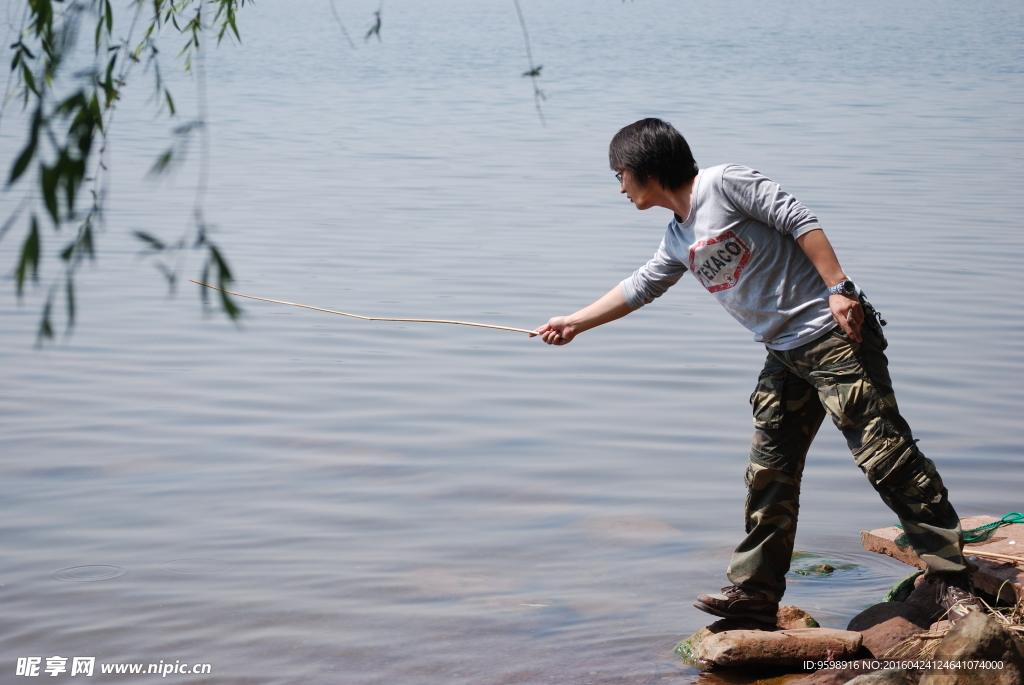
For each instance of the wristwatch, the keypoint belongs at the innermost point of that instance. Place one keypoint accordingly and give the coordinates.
(844, 288)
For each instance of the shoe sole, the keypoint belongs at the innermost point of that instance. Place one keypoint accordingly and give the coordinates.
(725, 614)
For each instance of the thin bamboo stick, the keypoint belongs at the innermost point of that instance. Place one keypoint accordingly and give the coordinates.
(366, 318)
(971, 552)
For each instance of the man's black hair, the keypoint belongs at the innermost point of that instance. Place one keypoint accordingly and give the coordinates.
(652, 148)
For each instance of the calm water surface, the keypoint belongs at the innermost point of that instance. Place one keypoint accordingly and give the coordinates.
(313, 499)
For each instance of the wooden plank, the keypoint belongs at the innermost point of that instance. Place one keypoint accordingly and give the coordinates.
(992, 574)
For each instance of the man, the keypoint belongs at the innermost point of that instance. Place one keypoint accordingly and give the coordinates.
(766, 259)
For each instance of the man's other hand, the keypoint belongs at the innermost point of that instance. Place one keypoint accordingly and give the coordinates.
(848, 313)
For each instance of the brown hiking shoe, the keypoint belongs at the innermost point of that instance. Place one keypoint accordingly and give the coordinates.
(735, 602)
(956, 595)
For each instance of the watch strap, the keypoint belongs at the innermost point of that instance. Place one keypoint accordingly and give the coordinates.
(845, 287)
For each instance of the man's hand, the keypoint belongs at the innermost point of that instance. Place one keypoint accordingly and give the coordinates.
(562, 329)
(557, 331)
(848, 313)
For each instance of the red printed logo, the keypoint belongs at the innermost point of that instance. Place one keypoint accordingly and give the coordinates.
(718, 263)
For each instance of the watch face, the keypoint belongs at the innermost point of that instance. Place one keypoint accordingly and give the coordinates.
(845, 288)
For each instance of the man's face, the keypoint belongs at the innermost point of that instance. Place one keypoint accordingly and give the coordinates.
(642, 196)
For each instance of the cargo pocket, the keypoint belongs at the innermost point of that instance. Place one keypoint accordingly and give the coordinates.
(917, 486)
(766, 400)
(848, 396)
(748, 506)
(924, 485)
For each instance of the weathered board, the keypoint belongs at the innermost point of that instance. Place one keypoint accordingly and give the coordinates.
(992, 574)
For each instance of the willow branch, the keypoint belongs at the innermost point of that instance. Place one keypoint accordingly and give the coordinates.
(366, 318)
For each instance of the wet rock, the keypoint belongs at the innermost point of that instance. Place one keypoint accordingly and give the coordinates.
(795, 617)
(687, 649)
(978, 637)
(725, 624)
(885, 625)
(788, 617)
(811, 564)
(777, 648)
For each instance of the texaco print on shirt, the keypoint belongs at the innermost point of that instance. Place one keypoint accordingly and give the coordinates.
(717, 263)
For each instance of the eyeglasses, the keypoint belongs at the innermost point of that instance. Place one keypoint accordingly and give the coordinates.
(618, 177)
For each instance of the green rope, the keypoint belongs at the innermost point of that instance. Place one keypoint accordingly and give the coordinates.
(979, 534)
(982, 533)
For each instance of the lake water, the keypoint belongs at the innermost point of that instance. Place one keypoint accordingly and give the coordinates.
(306, 498)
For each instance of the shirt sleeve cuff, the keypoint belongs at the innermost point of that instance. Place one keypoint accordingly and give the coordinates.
(630, 295)
(806, 228)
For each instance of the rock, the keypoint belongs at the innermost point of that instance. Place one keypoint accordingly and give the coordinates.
(794, 617)
(789, 617)
(811, 564)
(980, 637)
(687, 649)
(890, 676)
(925, 599)
(885, 625)
(777, 648)
(722, 625)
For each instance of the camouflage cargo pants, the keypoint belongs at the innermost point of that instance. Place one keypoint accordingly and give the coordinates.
(850, 382)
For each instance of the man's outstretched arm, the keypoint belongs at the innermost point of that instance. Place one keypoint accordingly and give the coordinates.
(562, 329)
(846, 311)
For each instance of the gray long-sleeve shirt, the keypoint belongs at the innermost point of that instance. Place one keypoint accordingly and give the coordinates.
(739, 241)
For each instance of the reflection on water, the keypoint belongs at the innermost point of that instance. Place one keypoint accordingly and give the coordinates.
(195, 566)
(88, 574)
(311, 499)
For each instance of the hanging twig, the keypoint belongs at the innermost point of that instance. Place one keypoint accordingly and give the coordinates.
(534, 72)
(368, 318)
(337, 18)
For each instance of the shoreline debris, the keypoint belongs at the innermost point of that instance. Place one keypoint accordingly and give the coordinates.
(907, 628)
